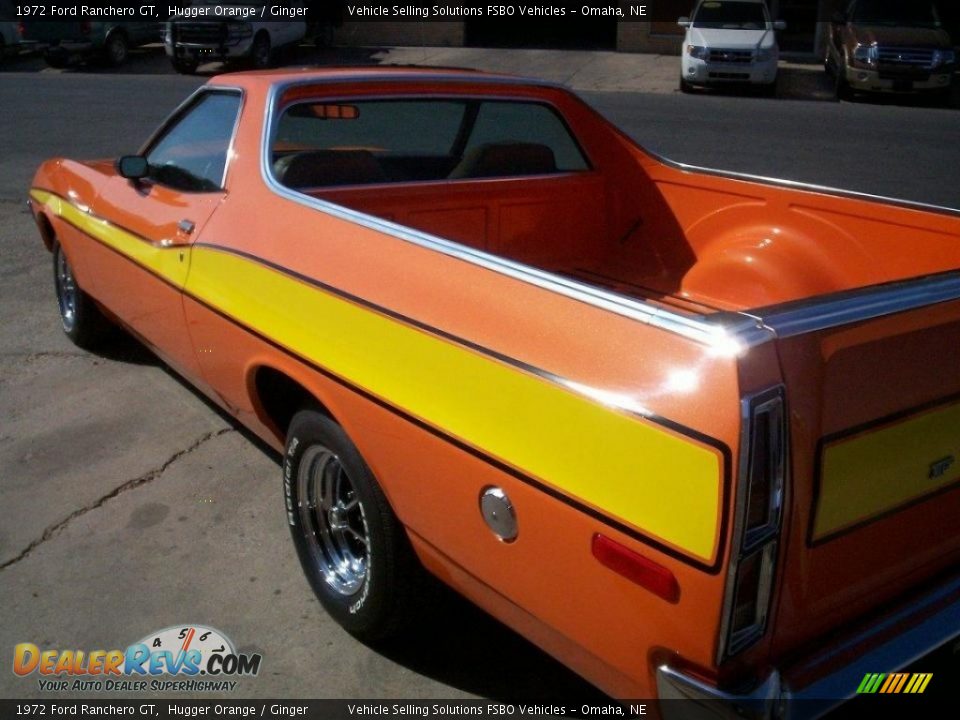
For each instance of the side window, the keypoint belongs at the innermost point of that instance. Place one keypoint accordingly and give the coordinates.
(192, 154)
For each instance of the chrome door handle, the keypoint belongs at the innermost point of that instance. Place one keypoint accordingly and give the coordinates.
(186, 226)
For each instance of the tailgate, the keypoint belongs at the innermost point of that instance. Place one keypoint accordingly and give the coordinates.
(875, 433)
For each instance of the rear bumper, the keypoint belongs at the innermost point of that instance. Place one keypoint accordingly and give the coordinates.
(819, 683)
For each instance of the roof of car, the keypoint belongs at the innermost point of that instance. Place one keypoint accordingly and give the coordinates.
(377, 73)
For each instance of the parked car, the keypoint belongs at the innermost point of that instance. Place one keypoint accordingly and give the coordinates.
(10, 38)
(651, 416)
(72, 41)
(729, 42)
(210, 30)
(889, 46)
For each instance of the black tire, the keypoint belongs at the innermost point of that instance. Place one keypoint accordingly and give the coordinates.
(333, 500)
(769, 90)
(261, 54)
(80, 317)
(685, 87)
(185, 67)
(116, 50)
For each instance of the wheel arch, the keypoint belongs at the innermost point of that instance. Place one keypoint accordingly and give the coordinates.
(47, 233)
(276, 396)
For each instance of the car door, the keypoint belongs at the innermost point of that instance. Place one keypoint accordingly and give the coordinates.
(160, 216)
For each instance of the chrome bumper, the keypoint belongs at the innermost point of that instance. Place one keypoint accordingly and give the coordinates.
(929, 622)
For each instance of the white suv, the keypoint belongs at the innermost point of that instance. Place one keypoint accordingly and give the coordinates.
(730, 41)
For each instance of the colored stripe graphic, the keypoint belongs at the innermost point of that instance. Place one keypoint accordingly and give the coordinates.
(894, 683)
(877, 470)
(664, 483)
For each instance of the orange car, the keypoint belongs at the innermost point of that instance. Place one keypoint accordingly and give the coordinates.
(694, 434)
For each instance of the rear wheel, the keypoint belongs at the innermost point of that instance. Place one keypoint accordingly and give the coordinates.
(117, 49)
(353, 549)
(82, 320)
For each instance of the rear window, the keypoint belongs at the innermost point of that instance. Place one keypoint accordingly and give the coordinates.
(325, 143)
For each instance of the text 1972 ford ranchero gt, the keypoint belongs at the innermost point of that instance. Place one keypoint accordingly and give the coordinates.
(694, 434)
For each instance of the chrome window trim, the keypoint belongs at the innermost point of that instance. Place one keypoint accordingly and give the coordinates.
(174, 116)
(693, 326)
(591, 166)
(729, 332)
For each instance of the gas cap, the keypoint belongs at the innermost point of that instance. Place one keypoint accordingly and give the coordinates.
(498, 513)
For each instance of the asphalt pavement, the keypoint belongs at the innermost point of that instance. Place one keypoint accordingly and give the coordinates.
(129, 504)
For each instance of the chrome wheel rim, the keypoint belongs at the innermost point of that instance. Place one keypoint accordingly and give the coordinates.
(333, 521)
(118, 51)
(66, 292)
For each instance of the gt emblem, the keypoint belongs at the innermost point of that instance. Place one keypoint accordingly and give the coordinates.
(939, 467)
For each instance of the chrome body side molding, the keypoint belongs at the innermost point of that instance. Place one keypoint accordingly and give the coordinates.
(728, 333)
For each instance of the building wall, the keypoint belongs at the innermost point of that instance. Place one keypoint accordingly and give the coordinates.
(417, 34)
(663, 37)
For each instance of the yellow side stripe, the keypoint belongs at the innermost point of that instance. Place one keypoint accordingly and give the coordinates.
(878, 470)
(663, 484)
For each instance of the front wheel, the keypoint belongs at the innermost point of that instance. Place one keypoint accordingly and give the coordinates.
(685, 87)
(82, 320)
(353, 549)
(117, 49)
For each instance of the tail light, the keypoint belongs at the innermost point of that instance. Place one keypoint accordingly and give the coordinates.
(85, 27)
(21, 30)
(757, 522)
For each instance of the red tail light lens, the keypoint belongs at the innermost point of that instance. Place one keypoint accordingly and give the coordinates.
(636, 568)
(85, 27)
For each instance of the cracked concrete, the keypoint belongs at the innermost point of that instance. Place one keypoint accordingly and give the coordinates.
(53, 530)
(128, 505)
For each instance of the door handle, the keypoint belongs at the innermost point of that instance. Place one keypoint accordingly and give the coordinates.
(186, 226)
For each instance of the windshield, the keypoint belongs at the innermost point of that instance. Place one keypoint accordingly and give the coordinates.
(731, 14)
(895, 12)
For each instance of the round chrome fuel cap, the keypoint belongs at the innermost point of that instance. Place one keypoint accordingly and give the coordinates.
(498, 513)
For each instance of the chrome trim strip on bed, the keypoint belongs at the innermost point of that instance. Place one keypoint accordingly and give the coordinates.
(724, 336)
(824, 312)
(726, 332)
(800, 185)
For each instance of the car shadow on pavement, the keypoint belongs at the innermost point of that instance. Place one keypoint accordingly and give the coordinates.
(460, 645)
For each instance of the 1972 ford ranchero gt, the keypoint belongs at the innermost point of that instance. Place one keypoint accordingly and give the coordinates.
(695, 434)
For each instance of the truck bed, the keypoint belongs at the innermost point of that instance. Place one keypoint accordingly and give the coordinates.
(689, 239)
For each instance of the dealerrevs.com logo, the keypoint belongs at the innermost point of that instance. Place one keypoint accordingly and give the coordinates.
(183, 658)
